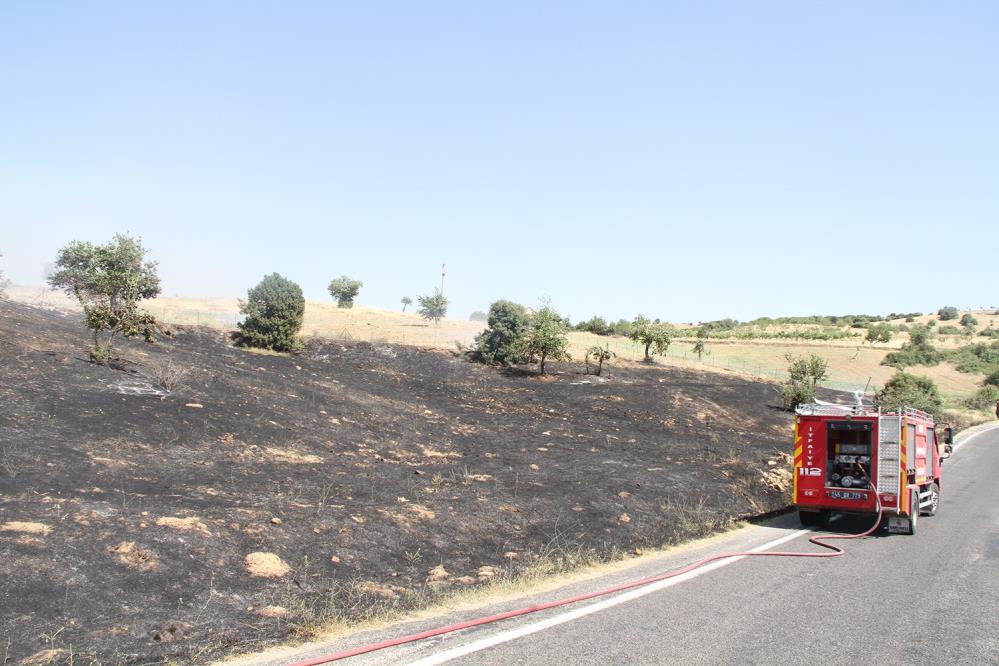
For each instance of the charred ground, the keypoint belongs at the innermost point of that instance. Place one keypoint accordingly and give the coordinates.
(378, 475)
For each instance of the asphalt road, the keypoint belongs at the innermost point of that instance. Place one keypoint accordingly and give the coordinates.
(928, 598)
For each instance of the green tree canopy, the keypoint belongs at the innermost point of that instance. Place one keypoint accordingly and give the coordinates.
(406, 302)
(109, 280)
(878, 333)
(654, 335)
(947, 312)
(433, 308)
(345, 289)
(547, 338)
(905, 390)
(274, 311)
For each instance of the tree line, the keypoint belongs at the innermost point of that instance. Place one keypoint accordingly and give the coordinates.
(109, 281)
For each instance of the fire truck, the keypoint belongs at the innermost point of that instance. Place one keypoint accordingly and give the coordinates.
(857, 459)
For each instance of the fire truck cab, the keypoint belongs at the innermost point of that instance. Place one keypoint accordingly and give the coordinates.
(858, 459)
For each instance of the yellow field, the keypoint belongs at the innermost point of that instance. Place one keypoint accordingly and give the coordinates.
(851, 363)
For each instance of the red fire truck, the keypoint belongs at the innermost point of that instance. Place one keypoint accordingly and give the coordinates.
(858, 459)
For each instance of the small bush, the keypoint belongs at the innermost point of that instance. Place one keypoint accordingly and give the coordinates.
(992, 379)
(794, 393)
(878, 333)
(274, 311)
(478, 316)
(905, 390)
(804, 375)
(168, 375)
(502, 342)
(984, 398)
(947, 313)
(949, 330)
(968, 321)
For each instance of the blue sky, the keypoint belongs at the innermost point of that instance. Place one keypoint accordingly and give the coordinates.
(690, 161)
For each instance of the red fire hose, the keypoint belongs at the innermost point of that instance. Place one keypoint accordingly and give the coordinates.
(364, 649)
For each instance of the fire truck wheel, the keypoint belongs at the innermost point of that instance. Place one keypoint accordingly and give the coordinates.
(814, 518)
(808, 518)
(913, 512)
(931, 510)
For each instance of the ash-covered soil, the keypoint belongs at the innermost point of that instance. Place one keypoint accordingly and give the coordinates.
(266, 494)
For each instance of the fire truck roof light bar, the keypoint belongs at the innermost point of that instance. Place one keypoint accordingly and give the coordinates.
(857, 410)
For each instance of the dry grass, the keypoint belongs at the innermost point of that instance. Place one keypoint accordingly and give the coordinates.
(851, 363)
(850, 366)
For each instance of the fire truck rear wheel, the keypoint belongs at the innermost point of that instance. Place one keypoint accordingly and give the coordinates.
(931, 510)
(913, 510)
(814, 518)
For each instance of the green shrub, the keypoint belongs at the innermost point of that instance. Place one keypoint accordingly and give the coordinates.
(804, 375)
(502, 342)
(878, 333)
(794, 393)
(992, 379)
(274, 310)
(949, 330)
(984, 398)
(978, 357)
(905, 390)
(596, 325)
(918, 351)
(968, 321)
(947, 313)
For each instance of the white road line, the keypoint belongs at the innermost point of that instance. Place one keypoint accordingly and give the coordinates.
(971, 437)
(526, 630)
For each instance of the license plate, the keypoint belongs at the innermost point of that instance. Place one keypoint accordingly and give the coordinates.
(846, 494)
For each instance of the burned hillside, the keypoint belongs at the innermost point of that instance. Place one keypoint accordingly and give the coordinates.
(199, 499)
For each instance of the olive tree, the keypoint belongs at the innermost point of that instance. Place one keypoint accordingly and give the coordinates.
(654, 335)
(274, 311)
(345, 289)
(406, 302)
(109, 280)
(433, 308)
(547, 338)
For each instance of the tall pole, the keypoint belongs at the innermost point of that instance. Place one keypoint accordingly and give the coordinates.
(442, 279)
